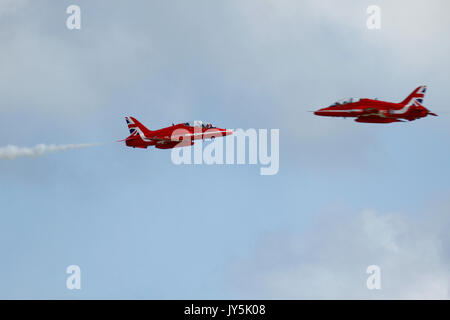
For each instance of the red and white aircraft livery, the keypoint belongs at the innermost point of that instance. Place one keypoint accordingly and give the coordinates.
(177, 135)
(376, 111)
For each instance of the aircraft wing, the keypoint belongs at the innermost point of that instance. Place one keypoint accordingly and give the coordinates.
(172, 144)
(376, 118)
(369, 112)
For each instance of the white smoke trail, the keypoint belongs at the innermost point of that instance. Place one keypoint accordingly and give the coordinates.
(11, 152)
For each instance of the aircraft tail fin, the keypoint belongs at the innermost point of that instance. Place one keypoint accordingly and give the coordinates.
(416, 96)
(135, 126)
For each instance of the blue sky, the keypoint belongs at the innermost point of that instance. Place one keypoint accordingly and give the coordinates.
(347, 195)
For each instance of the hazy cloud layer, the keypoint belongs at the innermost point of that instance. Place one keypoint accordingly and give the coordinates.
(237, 64)
(329, 260)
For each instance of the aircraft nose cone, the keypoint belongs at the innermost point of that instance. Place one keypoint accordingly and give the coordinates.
(318, 112)
(227, 132)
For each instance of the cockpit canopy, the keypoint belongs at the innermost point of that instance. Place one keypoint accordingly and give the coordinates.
(345, 101)
(198, 124)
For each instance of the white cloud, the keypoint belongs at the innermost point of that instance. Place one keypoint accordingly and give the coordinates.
(329, 260)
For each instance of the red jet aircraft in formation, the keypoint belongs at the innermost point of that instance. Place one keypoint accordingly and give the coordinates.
(364, 110)
(375, 111)
(177, 135)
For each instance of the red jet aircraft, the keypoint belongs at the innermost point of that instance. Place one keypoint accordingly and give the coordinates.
(376, 111)
(177, 135)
